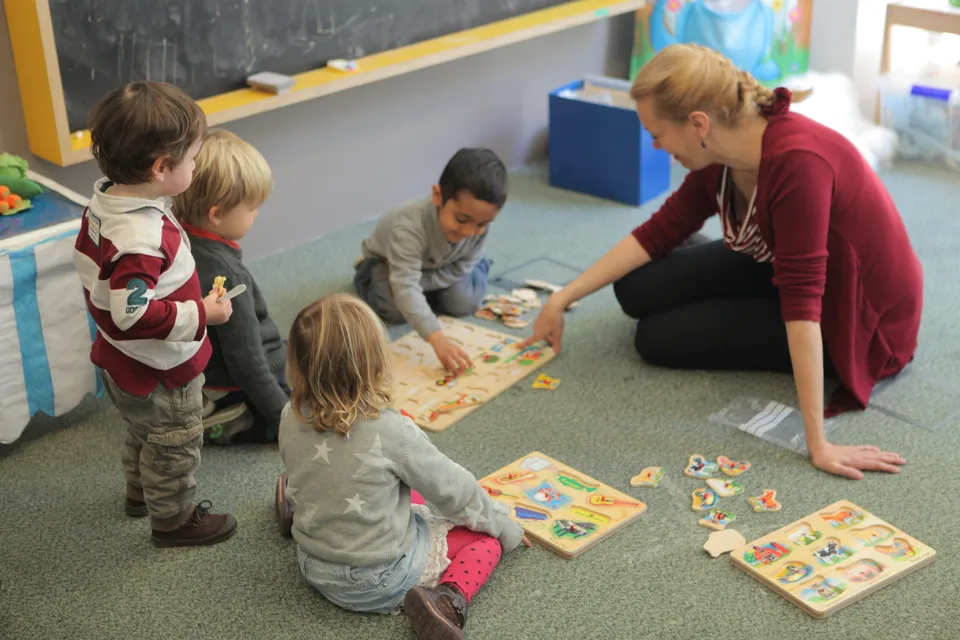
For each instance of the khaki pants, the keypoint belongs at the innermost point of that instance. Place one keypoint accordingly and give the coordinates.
(161, 449)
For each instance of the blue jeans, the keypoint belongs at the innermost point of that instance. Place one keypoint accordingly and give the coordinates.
(460, 299)
(377, 589)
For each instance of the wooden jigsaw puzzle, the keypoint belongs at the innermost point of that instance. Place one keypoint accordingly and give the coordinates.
(436, 399)
(559, 507)
(832, 558)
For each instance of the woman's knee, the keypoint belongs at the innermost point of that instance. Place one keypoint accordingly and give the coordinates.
(631, 294)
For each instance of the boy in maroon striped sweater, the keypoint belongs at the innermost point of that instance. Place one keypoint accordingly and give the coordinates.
(142, 290)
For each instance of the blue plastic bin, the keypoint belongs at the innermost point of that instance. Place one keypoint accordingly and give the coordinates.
(602, 150)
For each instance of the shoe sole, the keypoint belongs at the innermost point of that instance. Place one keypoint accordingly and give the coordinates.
(225, 415)
(199, 542)
(427, 621)
(136, 512)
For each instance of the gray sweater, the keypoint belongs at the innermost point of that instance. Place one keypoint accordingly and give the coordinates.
(351, 495)
(420, 259)
(248, 350)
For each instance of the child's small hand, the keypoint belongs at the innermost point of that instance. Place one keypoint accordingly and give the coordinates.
(217, 312)
(526, 542)
(452, 357)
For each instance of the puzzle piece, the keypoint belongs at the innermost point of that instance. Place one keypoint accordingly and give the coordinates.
(218, 283)
(717, 519)
(544, 381)
(699, 467)
(723, 541)
(766, 501)
(725, 488)
(732, 468)
(649, 477)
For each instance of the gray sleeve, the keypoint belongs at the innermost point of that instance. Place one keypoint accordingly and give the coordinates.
(452, 489)
(404, 254)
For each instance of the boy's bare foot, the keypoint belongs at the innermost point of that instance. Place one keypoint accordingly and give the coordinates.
(201, 528)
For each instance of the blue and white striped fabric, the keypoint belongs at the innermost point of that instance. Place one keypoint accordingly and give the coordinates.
(45, 332)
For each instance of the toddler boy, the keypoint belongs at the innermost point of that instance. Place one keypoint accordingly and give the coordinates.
(245, 382)
(428, 258)
(142, 290)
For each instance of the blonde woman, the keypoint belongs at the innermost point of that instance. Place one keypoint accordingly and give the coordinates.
(815, 274)
(365, 541)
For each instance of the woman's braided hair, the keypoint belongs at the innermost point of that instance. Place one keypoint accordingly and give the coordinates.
(683, 78)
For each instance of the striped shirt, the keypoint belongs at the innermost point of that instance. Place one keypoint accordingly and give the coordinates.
(743, 235)
(142, 290)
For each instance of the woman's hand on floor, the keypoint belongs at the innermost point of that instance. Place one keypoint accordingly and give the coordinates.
(548, 326)
(852, 461)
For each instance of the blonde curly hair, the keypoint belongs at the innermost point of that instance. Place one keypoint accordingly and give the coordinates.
(337, 364)
(683, 78)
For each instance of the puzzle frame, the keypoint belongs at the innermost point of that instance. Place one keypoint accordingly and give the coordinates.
(564, 520)
(868, 554)
(435, 399)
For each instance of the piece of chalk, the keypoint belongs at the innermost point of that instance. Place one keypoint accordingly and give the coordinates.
(271, 82)
(340, 64)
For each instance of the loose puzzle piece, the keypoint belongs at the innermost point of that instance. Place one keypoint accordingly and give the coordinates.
(699, 467)
(544, 381)
(731, 468)
(723, 541)
(766, 501)
(717, 520)
(649, 477)
(509, 308)
(725, 488)
(704, 499)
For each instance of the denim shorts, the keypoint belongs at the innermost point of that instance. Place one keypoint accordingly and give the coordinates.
(374, 589)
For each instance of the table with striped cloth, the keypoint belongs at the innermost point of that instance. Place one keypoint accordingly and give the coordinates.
(45, 329)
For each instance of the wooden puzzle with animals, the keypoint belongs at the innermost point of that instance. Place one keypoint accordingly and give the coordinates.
(832, 558)
(436, 399)
(559, 507)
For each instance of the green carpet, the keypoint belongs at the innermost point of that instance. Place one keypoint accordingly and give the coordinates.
(73, 566)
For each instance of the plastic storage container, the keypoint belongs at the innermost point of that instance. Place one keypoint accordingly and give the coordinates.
(925, 113)
(598, 147)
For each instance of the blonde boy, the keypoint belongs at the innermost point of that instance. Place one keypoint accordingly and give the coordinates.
(143, 293)
(245, 383)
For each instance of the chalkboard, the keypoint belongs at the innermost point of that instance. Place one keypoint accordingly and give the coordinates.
(208, 47)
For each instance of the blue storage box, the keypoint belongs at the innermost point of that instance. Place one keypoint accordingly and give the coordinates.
(598, 147)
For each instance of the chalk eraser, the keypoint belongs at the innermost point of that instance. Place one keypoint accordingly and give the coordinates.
(271, 82)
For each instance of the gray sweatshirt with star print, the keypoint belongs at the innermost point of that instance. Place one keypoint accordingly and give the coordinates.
(351, 494)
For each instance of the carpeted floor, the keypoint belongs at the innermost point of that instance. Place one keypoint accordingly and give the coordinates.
(73, 566)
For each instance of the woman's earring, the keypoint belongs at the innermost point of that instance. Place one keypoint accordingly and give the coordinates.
(703, 144)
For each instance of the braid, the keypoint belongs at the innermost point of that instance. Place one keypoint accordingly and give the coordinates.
(747, 84)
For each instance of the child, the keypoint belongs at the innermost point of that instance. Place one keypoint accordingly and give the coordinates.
(143, 293)
(364, 539)
(428, 257)
(246, 369)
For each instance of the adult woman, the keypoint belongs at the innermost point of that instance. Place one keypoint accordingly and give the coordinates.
(815, 272)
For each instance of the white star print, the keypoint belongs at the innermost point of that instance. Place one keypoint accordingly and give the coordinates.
(372, 463)
(322, 452)
(354, 504)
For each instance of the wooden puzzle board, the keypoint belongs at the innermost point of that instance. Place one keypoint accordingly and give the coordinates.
(435, 399)
(832, 558)
(553, 503)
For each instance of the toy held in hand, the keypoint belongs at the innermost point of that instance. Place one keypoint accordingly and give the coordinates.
(218, 287)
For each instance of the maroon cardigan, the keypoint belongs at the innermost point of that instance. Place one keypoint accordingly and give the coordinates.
(842, 256)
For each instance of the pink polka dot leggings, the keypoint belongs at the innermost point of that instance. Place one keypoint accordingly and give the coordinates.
(472, 555)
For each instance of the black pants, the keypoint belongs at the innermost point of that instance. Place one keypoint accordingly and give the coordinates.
(264, 429)
(706, 307)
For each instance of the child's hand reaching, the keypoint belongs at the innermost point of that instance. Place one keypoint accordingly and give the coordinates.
(526, 542)
(452, 357)
(217, 312)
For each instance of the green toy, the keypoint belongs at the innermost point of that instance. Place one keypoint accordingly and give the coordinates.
(16, 188)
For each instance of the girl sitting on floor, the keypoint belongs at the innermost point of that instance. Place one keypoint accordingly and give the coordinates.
(365, 540)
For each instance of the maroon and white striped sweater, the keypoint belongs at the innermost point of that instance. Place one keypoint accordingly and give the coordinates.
(142, 290)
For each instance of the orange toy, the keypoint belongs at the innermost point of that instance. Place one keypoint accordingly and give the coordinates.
(9, 201)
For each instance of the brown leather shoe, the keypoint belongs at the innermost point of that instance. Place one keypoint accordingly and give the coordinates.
(436, 614)
(135, 508)
(201, 528)
(283, 509)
